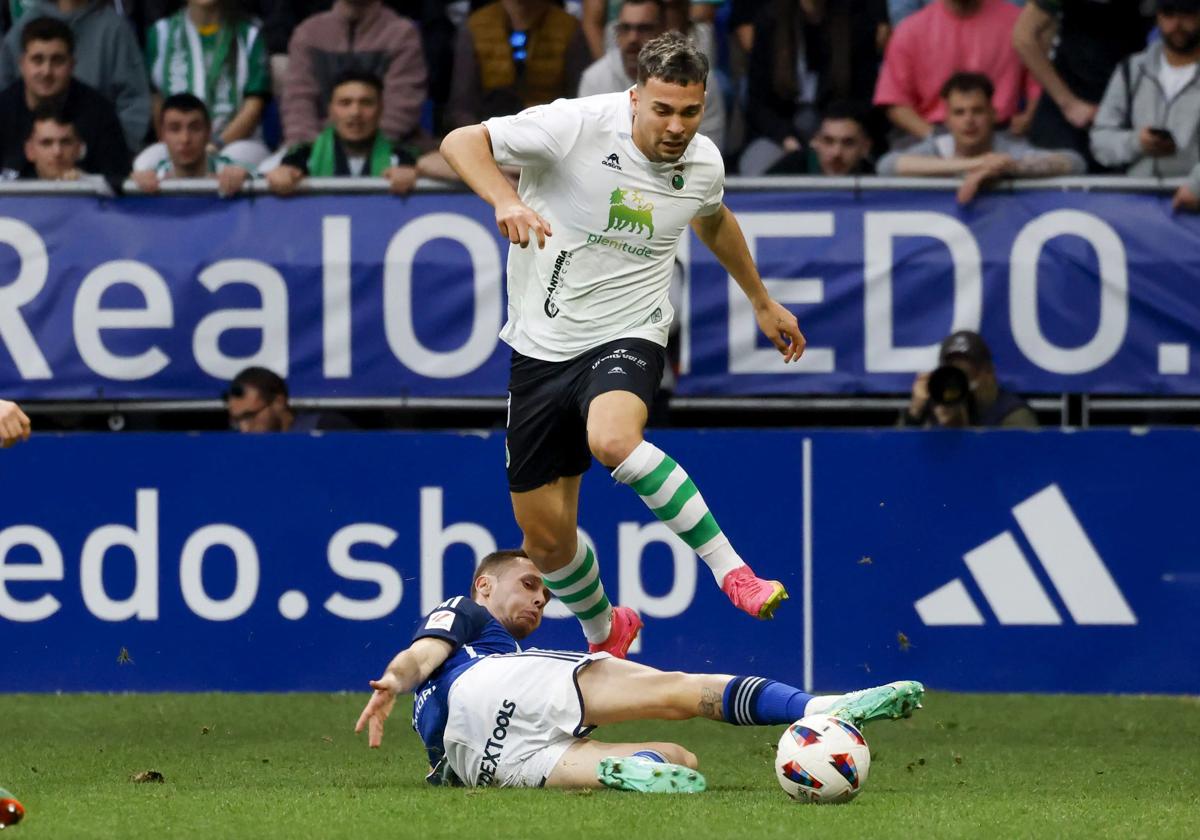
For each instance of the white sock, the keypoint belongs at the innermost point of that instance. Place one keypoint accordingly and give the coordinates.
(821, 704)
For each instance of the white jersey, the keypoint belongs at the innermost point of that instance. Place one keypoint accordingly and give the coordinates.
(616, 219)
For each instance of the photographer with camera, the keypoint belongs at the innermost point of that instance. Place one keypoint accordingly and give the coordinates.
(963, 390)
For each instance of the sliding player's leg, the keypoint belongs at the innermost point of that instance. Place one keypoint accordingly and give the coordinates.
(547, 517)
(614, 691)
(615, 423)
(652, 767)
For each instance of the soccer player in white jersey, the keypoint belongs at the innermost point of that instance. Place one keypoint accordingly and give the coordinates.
(490, 713)
(608, 186)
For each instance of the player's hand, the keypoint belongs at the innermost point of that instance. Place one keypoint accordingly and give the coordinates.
(1080, 113)
(14, 425)
(1155, 145)
(920, 395)
(1185, 199)
(230, 181)
(952, 416)
(401, 179)
(777, 323)
(994, 164)
(971, 184)
(377, 709)
(146, 180)
(284, 179)
(519, 224)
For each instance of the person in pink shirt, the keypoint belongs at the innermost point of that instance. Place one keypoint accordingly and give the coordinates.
(946, 37)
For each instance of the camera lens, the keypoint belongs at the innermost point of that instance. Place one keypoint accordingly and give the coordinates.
(948, 386)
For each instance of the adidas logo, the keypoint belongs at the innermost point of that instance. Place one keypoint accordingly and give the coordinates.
(612, 162)
(618, 369)
(1007, 580)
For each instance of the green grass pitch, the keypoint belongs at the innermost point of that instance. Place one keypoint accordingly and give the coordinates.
(257, 766)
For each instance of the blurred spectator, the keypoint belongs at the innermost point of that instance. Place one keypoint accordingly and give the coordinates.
(963, 391)
(257, 401)
(898, 10)
(1148, 119)
(1093, 35)
(14, 425)
(638, 22)
(806, 54)
(209, 49)
(46, 64)
(741, 23)
(973, 148)
(352, 145)
(186, 130)
(362, 36)
(511, 55)
(599, 16)
(946, 37)
(107, 58)
(54, 150)
(841, 147)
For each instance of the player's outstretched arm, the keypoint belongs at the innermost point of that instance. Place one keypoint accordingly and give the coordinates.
(14, 425)
(407, 670)
(468, 150)
(723, 236)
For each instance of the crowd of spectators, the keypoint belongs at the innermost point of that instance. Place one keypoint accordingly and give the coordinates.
(289, 89)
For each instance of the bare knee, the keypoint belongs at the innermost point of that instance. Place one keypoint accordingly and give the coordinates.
(612, 446)
(548, 549)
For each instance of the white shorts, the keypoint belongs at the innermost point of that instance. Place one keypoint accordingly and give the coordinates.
(512, 716)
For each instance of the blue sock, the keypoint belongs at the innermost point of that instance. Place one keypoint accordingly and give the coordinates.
(653, 755)
(754, 701)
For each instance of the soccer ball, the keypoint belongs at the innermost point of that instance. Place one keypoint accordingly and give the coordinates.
(822, 759)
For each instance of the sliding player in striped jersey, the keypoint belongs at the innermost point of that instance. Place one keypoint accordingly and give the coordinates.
(491, 713)
(614, 181)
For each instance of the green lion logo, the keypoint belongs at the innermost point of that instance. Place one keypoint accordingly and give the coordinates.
(634, 217)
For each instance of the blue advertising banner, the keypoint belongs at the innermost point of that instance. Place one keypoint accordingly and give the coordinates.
(375, 296)
(1006, 561)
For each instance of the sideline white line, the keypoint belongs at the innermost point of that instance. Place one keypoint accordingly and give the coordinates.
(806, 489)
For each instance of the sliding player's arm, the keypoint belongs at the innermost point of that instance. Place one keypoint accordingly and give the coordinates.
(411, 667)
(722, 234)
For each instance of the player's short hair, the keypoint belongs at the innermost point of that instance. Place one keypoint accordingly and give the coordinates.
(49, 113)
(494, 561)
(47, 29)
(963, 82)
(186, 103)
(362, 77)
(268, 384)
(673, 58)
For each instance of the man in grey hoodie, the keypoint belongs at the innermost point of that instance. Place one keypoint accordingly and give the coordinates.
(107, 58)
(1149, 117)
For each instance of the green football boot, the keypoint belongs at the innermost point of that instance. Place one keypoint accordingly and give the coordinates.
(891, 702)
(645, 776)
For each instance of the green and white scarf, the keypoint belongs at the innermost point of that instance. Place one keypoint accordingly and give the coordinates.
(181, 61)
(323, 157)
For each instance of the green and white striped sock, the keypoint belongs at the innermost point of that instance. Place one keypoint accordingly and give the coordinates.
(672, 496)
(578, 585)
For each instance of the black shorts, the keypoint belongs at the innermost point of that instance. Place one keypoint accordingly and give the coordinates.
(548, 406)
